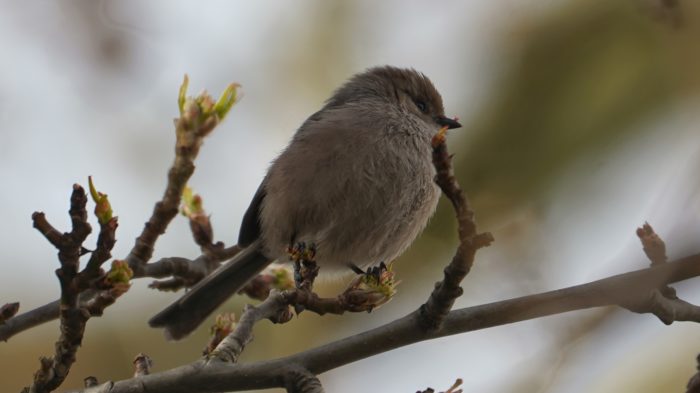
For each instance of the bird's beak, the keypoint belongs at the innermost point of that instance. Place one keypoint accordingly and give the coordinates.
(447, 122)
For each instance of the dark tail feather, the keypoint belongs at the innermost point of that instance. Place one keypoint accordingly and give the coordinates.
(182, 317)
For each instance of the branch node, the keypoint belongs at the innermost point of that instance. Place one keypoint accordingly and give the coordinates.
(7, 311)
(300, 380)
(661, 301)
(90, 381)
(142, 365)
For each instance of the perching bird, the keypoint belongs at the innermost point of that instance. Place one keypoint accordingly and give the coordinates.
(356, 181)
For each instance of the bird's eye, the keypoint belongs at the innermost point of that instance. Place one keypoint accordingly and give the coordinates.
(421, 106)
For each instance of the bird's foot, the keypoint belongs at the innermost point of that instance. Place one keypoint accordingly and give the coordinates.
(371, 288)
(305, 267)
(301, 252)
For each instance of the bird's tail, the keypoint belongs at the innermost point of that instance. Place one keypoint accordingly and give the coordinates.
(182, 317)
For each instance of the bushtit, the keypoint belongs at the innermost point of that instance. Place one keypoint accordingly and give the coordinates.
(356, 181)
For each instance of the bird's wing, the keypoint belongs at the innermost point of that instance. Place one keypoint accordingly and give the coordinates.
(250, 226)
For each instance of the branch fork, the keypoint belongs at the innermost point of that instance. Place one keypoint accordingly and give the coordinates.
(72, 312)
(662, 301)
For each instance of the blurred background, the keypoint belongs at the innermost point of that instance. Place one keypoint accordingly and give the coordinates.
(581, 123)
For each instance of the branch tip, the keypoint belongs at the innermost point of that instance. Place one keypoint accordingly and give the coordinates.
(142, 365)
(7, 311)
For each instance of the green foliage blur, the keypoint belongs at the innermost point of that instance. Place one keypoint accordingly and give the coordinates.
(582, 78)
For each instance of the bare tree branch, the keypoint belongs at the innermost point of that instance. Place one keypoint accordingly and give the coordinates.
(35, 317)
(201, 376)
(73, 316)
(446, 291)
(183, 272)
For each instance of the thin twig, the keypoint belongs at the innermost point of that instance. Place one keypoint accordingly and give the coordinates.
(34, 317)
(446, 291)
(274, 308)
(198, 117)
(186, 271)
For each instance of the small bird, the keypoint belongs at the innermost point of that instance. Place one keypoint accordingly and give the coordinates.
(356, 182)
